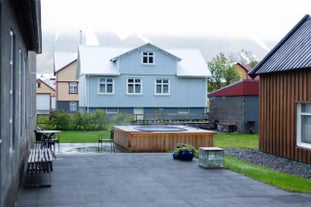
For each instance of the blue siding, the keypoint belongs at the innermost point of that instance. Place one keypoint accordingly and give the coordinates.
(184, 92)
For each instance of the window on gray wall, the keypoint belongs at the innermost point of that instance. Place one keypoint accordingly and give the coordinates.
(105, 85)
(162, 86)
(304, 125)
(20, 92)
(147, 58)
(73, 87)
(134, 86)
(12, 89)
(73, 106)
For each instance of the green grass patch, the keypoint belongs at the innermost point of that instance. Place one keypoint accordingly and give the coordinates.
(82, 136)
(236, 140)
(280, 180)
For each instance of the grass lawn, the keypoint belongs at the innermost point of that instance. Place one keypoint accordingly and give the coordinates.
(249, 141)
(281, 180)
(81, 136)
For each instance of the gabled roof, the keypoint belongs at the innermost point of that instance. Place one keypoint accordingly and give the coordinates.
(145, 45)
(291, 53)
(246, 67)
(94, 60)
(240, 88)
(63, 59)
(192, 63)
(47, 85)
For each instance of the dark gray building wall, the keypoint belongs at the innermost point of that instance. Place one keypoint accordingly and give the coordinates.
(251, 111)
(151, 113)
(16, 132)
(64, 106)
(234, 110)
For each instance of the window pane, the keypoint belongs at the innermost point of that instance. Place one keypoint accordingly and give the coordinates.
(150, 59)
(102, 88)
(165, 89)
(306, 129)
(130, 89)
(137, 88)
(158, 89)
(109, 88)
(306, 108)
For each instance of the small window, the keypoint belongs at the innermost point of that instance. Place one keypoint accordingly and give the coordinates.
(162, 87)
(183, 110)
(38, 85)
(112, 110)
(73, 106)
(147, 57)
(304, 125)
(105, 85)
(73, 87)
(134, 86)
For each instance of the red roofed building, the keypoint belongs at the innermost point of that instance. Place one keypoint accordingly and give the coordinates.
(243, 70)
(236, 104)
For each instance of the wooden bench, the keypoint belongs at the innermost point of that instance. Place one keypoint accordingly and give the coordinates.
(40, 162)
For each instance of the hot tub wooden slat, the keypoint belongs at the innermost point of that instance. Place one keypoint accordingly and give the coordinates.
(133, 140)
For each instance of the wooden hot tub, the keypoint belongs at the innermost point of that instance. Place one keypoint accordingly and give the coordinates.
(134, 138)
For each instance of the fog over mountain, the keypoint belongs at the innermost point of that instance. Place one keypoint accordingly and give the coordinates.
(210, 46)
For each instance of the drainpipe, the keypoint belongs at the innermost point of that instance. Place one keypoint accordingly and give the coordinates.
(88, 94)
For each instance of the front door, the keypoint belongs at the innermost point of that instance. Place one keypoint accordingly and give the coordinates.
(139, 113)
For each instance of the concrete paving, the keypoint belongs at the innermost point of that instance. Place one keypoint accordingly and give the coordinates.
(150, 179)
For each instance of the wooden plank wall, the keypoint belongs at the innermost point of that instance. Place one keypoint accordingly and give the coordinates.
(160, 142)
(279, 94)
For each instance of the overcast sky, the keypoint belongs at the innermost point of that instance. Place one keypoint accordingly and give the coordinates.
(260, 19)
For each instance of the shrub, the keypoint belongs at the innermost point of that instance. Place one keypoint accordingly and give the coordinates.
(123, 119)
(89, 121)
(59, 120)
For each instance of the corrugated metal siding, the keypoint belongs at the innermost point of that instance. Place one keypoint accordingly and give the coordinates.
(279, 94)
(293, 52)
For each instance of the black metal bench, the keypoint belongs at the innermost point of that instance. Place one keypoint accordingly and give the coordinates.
(40, 162)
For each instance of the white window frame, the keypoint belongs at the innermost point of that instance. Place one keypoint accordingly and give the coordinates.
(104, 81)
(300, 114)
(134, 84)
(73, 106)
(73, 87)
(162, 84)
(150, 57)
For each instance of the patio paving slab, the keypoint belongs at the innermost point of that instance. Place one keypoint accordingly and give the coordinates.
(150, 179)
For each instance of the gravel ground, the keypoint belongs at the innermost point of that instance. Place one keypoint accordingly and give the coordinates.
(271, 161)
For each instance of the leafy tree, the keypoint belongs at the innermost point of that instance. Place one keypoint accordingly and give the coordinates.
(222, 72)
(217, 68)
(231, 75)
(253, 63)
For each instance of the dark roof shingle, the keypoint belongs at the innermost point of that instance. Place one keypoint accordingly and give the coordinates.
(291, 53)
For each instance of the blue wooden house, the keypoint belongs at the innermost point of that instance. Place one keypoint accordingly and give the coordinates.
(144, 81)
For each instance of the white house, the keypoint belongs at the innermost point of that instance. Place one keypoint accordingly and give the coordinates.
(146, 80)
